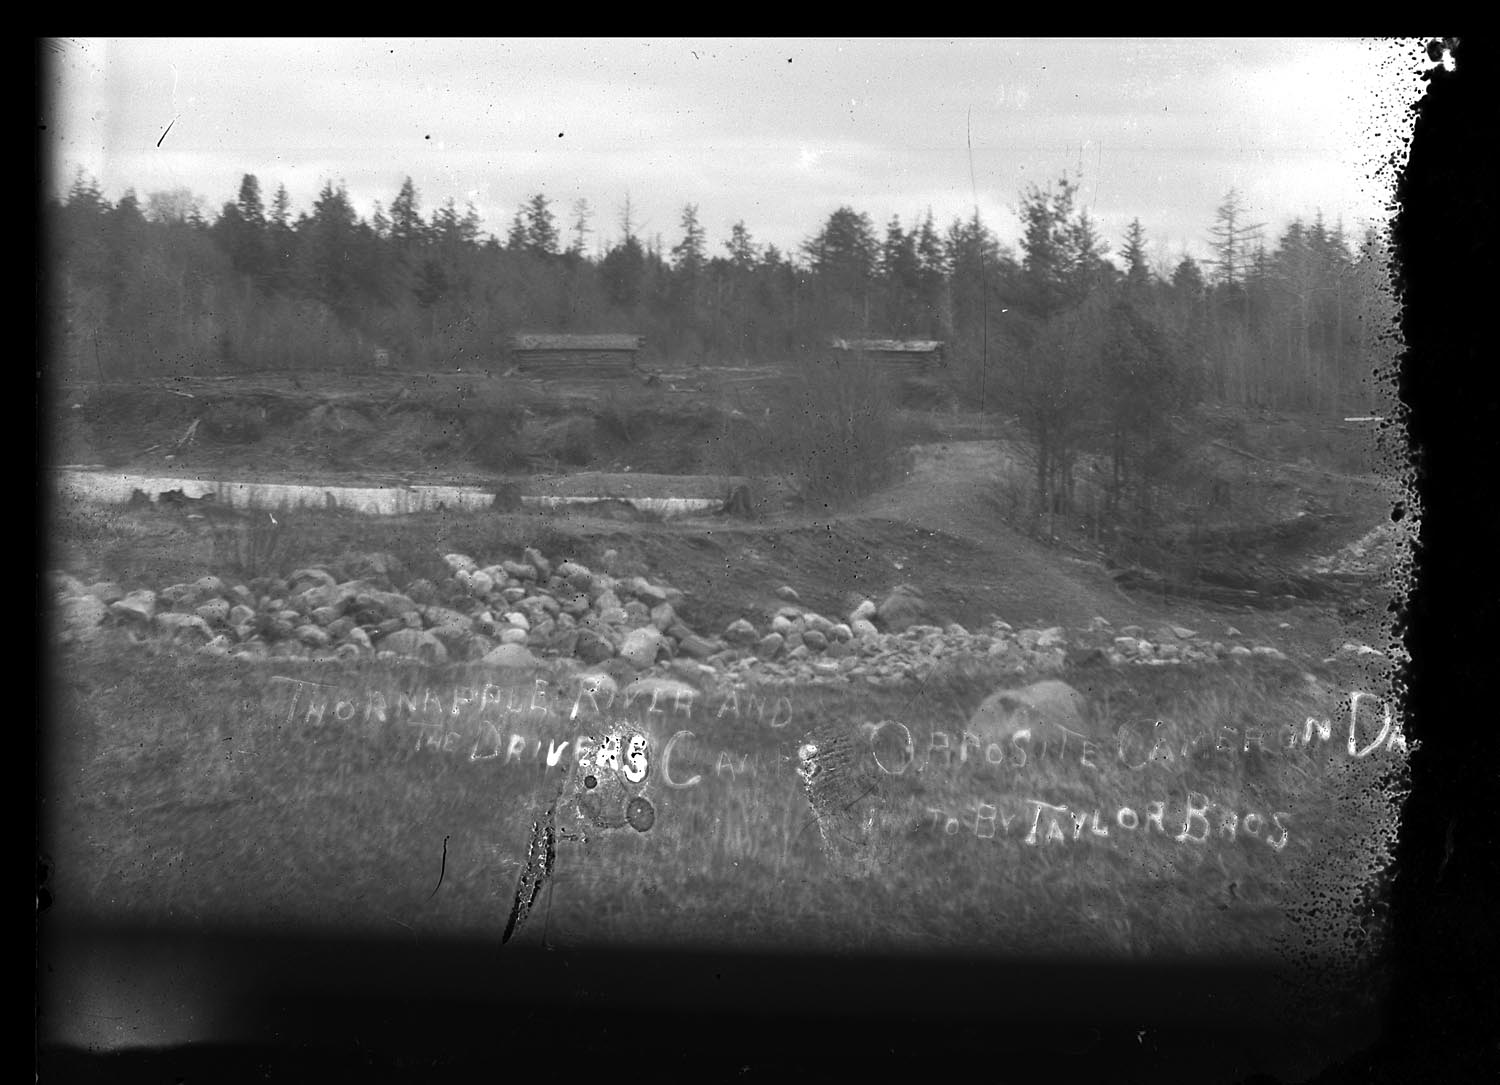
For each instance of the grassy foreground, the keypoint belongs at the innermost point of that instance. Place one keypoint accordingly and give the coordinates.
(200, 791)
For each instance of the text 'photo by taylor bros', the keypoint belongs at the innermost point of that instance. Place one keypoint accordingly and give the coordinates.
(683, 737)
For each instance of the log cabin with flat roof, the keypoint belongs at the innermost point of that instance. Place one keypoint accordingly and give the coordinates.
(592, 356)
(918, 354)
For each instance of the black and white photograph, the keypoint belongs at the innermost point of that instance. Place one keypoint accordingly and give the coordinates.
(532, 500)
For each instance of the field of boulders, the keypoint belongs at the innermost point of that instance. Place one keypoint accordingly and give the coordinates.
(520, 612)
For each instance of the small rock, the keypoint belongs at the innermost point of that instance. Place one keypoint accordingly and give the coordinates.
(1183, 633)
(663, 616)
(770, 645)
(1231, 631)
(640, 647)
(740, 632)
(303, 579)
(864, 612)
(573, 571)
(815, 640)
(65, 585)
(788, 593)
(817, 623)
(863, 628)
(510, 656)
(533, 557)
(219, 646)
(1267, 652)
(460, 563)
(106, 591)
(81, 615)
(1051, 637)
(593, 647)
(481, 584)
(215, 611)
(422, 591)
(649, 593)
(902, 608)
(781, 624)
(187, 627)
(697, 647)
(138, 606)
(313, 636)
(209, 586)
(521, 570)
(598, 685)
(177, 597)
(1239, 651)
(377, 565)
(341, 627)
(414, 644)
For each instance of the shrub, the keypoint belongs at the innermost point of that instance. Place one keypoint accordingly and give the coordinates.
(833, 427)
(493, 434)
(256, 545)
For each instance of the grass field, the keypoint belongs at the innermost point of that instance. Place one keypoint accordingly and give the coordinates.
(201, 792)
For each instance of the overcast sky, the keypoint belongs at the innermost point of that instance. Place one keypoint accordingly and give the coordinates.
(777, 132)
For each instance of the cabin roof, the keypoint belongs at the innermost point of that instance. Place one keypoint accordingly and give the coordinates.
(891, 346)
(577, 342)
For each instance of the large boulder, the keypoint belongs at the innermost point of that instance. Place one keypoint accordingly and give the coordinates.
(903, 608)
(1050, 710)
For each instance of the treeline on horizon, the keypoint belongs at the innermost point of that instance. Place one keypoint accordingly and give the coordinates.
(1055, 331)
